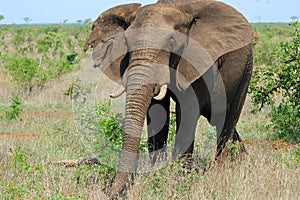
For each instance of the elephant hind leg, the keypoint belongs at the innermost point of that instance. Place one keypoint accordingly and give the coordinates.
(237, 138)
(228, 151)
(227, 131)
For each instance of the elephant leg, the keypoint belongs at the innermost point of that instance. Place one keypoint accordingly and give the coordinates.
(237, 138)
(187, 115)
(158, 116)
(225, 136)
(229, 132)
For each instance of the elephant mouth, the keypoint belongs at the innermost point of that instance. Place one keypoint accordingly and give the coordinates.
(98, 62)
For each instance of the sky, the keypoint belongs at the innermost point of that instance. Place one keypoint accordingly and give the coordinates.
(56, 11)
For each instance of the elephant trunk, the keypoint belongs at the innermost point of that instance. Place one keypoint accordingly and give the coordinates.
(140, 91)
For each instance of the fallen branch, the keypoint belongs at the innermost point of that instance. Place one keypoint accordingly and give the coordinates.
(75, 163)
(291, 60)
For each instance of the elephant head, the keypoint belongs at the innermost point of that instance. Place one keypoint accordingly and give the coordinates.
(138, 46)
(107, 39)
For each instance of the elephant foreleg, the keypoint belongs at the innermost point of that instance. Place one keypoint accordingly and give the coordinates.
(158, 116)
(187, 115)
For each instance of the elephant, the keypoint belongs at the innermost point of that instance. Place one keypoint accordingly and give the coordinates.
(198, 53)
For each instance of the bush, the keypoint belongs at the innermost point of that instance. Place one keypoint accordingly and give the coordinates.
(33, 55)
(23, 71)
(50, 43)
(28, 73)
(14, 109)
(100, 129)
(286, 122)
(281, 82)
(297, 154)
(112, 125)
(109, 123)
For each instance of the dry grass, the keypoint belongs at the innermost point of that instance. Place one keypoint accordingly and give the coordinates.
(28, 171)
(263, 174)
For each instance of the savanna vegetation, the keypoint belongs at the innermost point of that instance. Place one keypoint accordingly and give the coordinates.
(54, 107)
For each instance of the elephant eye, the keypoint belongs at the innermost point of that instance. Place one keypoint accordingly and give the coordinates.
(109, 41)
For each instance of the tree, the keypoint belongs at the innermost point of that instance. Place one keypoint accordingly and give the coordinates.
(295, 18)
(27, 20)
(1, 17)
(87, 21)
(281, 79)
(79, 21)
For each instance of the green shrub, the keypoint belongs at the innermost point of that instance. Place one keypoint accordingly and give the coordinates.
(109, 123)
(28, 73)
(71, 57)
(100, 129)
(23, 71)
(33, 55)
(297, 154)
(286, 122)
(77, 90)
(280, 82)
(234, 149)
(14, 109)
(19, 37)
(55, 68)
(50, 43)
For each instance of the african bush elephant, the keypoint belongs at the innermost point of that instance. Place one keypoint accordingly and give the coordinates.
(199, 53)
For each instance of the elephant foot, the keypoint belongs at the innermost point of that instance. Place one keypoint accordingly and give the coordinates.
(233, 151)
(188, 164)
(119, 186)
(114, 195)
(159, 156)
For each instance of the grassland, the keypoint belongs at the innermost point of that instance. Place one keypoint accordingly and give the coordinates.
(49, 129)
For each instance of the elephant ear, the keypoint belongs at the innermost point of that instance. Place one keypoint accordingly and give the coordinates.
(108, 41)
(216, 29)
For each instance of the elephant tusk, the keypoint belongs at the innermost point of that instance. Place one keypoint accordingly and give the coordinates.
(162, 93)
(119, 91)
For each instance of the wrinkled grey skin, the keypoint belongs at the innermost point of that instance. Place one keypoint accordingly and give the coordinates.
(216, 91)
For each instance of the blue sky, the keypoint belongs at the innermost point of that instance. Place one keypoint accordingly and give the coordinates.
(56, 11)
